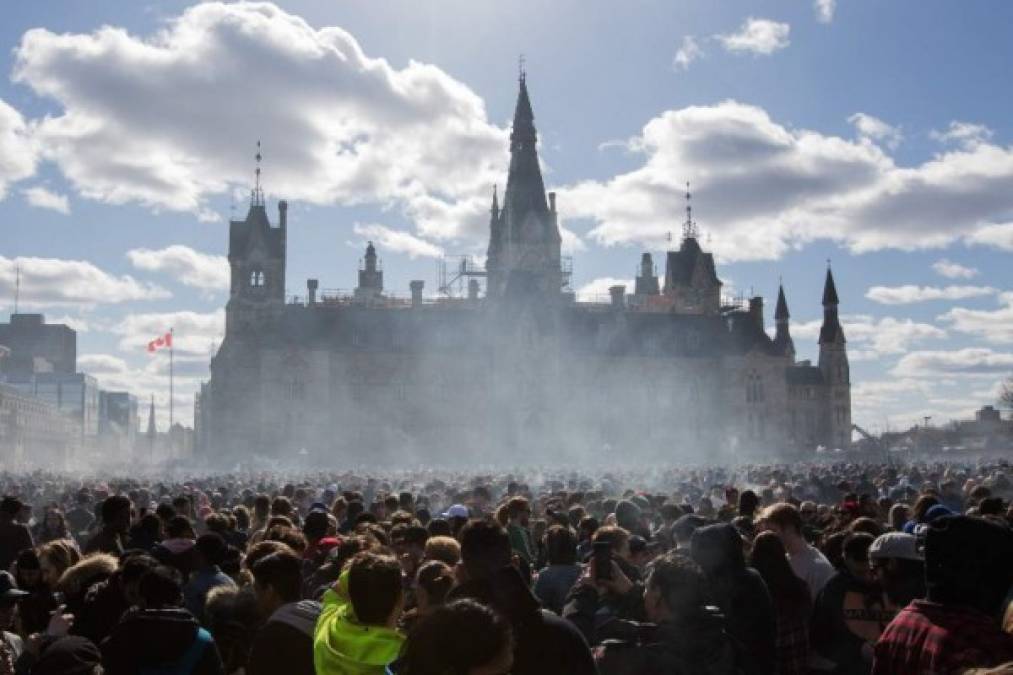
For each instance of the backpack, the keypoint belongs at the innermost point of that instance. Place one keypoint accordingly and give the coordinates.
(186, 663)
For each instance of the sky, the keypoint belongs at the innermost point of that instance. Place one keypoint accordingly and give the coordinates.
(878, 136)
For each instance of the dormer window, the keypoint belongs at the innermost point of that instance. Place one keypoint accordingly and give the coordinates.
(257, 278)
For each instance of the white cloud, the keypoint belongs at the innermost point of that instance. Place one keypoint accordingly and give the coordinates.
(166, 121)
(42, 198)
(185, 265)
(961, 362)
(908, 294)
(792, 187)
(56, 282)
(825, 10)
(689, 51)
(757, 36)
(194, 333)
(995, 326)
(18, 153)
(870, 338)
(966, 134)
(876, 130)
(952, 270)
(398, 241)
(598, 289)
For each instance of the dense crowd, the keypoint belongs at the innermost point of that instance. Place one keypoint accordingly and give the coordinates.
(833, 568)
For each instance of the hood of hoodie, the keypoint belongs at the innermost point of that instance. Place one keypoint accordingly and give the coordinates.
(161, 635)
(342, 645)
(718, 550)
(505, 591)
(96, 567)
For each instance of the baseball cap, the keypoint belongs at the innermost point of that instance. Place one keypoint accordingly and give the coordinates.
(9, 591)
(457, 511)
(898, 545)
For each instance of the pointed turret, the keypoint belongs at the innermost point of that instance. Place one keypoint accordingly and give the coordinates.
(782, 338)
(524, 240)
(831, 330)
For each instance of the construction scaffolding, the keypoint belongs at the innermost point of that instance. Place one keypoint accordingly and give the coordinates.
(455, 283)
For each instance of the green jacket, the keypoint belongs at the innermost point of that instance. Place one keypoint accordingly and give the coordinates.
(520, 542)
(343, 646)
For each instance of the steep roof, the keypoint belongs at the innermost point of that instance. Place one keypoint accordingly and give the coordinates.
(256, 225)
(681, 265)
(781, 311)
(830, 290)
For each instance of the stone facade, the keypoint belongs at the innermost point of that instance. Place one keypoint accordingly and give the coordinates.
(523, 371)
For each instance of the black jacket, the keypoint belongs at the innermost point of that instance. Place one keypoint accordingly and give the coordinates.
(152, 637)
(740, 593)
(543, 642)
(694, 647)
(285, 643)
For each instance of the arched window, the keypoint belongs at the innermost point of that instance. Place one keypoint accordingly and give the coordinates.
(257, 278)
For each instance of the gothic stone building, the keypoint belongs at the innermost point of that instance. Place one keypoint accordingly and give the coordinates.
(523, 372)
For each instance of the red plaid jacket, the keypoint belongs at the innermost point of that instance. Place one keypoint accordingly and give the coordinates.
(926, 638)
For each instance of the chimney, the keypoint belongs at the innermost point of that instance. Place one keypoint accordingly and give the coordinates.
(756, 311)
(473, 289)
(283, 214)
(416, 287)
(552, 202)
(311, 288)
(618, 295)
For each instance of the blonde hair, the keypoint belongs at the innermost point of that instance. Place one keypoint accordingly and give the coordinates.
(443, 548)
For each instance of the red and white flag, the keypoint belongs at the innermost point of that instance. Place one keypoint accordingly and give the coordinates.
(162, 341)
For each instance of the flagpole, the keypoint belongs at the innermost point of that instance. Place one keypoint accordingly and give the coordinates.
(171, 347)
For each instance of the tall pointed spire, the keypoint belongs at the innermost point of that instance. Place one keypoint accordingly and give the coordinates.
(781, 311)
(525, 189)
(830, 289)
(689, 230)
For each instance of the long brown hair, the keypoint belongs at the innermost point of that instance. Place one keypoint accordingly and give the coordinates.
(769, 558)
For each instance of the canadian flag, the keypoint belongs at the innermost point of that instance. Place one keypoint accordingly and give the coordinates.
(162, 341)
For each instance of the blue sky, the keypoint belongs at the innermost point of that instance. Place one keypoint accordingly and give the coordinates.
(874, 134)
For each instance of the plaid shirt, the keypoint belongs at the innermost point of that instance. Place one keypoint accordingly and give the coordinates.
(927, 638)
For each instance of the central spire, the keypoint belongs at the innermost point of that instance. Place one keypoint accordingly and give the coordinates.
(525, 189)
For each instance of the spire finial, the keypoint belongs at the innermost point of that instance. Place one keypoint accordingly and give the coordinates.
(257, 198)
(689, 227)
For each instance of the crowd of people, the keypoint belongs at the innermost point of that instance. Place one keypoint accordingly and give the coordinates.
(844, 568)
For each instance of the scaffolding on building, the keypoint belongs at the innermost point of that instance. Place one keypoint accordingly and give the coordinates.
(454, 284)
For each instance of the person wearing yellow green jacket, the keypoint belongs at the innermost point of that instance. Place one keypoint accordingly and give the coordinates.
(355, 633)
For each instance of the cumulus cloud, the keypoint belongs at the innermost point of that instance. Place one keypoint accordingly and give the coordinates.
(43, 198)
(194, 332)
(966, 134)
(908, 294)
(185, 265)
(952, 270)
(762, 188)
(961, 362)
(876, 130)
(995, 326)
(170, 119)
(56, 282)
(398, 241)
(598, 289)
(18, 152)
(871, 338)
(757, 36)
(688, 52)
(825, 10)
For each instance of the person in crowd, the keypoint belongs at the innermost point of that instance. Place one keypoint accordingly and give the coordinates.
(356, 633)
(555, 581)
(210, 551)
(442, 548)
(106, 601)
(146, 533)
(177, 549)
(518, 514)
(115, 527)
(806, 560)
(35, 608)
(11, 645)
(957, 626)
(81, 517)
(79, 578)
(898, 567)
(15, 537)
(740, 593)
(463, 637)
(159, 635)
(543, 642)
(792, 605)
(683, 635)
(52, 526)
(232, 619)
(285, 641)
(849, 613)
